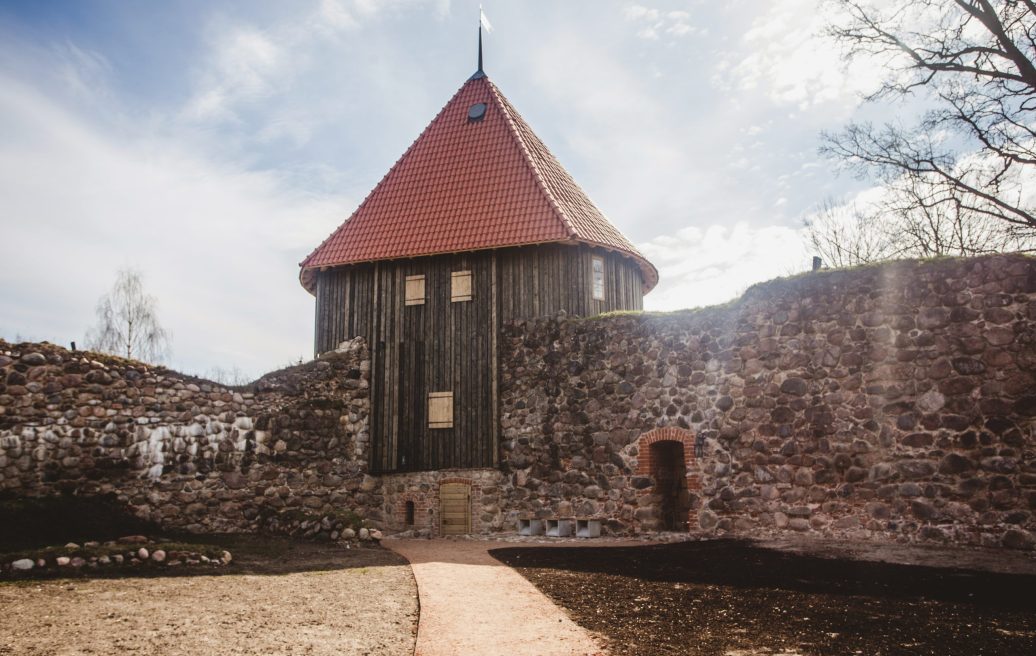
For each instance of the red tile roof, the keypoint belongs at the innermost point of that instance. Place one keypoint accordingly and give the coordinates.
(471, 185)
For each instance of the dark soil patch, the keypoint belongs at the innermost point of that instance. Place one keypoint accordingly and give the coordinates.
(255, 554)
(41, 526)
(42, 521)
(731, 597)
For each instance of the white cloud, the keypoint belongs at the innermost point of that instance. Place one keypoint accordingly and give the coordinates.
(655, 23)
(785, 54)
(219, 246)
(615, 137)
(84, 72)
(706, 266)
(640, 12)
(246, 65)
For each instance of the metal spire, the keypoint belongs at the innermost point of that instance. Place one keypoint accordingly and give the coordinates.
(479, 73)
(481, 21)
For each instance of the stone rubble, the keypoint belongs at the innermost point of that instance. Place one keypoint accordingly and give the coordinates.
(81, 559)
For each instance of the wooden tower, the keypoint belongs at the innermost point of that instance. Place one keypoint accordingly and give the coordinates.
(476, 225)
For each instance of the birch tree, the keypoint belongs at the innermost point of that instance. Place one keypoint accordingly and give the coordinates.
(127, 322)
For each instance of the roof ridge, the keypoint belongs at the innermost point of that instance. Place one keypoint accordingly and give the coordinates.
(509, 111)
(375, 188)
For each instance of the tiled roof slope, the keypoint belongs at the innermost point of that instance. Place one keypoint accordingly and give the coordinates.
(471, 185)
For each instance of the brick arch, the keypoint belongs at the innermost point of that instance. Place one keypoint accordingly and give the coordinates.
(456, 479)
(669, 434)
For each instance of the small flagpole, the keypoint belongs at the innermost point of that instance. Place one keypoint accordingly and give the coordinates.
(482, 22)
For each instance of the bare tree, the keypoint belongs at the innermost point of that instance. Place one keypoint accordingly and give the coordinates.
(972, 154)
(127, 321)
(909, 219)
(845, 235)
(232, 377)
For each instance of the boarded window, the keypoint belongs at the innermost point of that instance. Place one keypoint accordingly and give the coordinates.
(598, 271)
(440, 410)
(414, 294)
(460, 290)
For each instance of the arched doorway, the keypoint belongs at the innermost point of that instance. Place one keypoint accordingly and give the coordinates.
(670, 474)
(668, 456)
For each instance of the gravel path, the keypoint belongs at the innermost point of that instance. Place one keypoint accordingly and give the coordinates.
(473, 604)
(321, 600)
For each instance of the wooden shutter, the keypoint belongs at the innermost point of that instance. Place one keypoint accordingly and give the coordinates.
(460, 290)
(414, 294)
(440, 410)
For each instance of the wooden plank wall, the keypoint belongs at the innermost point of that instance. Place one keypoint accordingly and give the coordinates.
(439, 346)
(344, 307)
(443, 346)
(540, 281)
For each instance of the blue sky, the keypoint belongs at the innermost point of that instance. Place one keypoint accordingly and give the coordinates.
(212, 145)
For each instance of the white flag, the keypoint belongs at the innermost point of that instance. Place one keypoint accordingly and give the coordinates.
(484, 20)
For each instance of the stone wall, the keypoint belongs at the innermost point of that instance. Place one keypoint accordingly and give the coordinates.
(895, 402)
(282, 453)
(888, 402)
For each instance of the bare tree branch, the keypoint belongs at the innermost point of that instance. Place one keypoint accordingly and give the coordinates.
(976, 62)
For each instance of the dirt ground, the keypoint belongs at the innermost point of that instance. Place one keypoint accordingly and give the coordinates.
(277, 597)
(733, 598)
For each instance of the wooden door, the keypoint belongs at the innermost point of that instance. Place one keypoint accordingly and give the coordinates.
(454, 509)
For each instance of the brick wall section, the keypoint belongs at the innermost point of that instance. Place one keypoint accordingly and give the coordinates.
(422, 488)
(423, 509)
(894, 402)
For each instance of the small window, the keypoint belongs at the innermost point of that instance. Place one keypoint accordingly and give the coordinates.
(440, 410)
(598, 270)
(414, 294)
(460, 290)
(409, 518)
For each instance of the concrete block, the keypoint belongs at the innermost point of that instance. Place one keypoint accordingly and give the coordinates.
(530, 527)
(559, 528)
(588, 528)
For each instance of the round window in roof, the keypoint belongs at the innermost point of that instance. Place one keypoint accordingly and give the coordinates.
(477, 112)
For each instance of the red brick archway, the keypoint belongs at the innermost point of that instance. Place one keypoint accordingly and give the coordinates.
(646, 455)
(668, 434)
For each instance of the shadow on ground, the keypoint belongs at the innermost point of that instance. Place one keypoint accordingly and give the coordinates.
(55, 521)
(727, 596)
